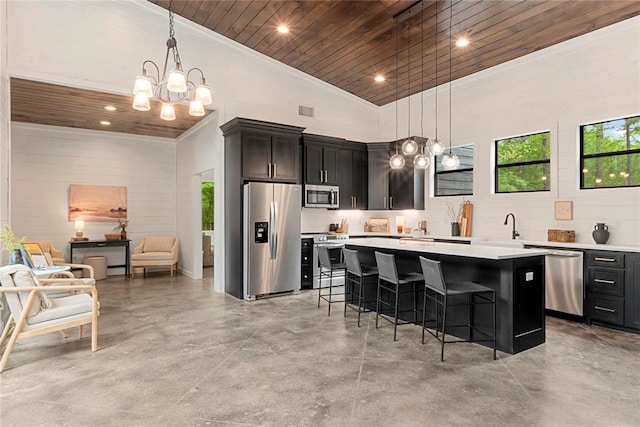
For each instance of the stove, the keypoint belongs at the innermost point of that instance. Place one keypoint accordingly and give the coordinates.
(335, 243)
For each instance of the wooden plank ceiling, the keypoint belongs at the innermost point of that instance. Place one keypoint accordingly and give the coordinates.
(346, 43)
(49, 104)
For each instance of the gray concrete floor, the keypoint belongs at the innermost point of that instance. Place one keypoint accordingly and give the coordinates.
(173, 353)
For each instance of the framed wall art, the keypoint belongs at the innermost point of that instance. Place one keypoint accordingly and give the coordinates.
(564, 209)
(97, 202)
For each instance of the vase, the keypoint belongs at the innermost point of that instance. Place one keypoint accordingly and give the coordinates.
(123, 235)
(20, 256)
(455, 228)
(600, 233)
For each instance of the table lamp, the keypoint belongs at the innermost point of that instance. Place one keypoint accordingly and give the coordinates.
(79, 226)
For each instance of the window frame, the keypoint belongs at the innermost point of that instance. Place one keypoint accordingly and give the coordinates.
(497, 167)
(437, 159)
(601, 155)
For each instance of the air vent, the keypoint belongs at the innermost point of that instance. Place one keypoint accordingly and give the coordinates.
(305, 111)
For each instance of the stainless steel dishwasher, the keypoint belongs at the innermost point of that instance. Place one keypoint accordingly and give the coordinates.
(564, 286)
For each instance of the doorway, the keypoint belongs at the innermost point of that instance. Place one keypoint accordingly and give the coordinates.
(208, 222)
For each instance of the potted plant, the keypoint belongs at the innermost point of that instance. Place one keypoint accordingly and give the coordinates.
(122, 226)
(13, 245)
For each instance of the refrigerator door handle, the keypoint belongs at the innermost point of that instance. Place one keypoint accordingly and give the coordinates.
(271, 226)
(275, 232)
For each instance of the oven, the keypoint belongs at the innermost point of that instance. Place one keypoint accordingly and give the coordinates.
(321, 196)
(334, 243)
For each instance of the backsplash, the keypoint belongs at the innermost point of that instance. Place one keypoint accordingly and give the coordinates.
(318, 220)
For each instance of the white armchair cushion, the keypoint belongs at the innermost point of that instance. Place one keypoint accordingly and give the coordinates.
(23, 278)
(158, 244)
(63, 308)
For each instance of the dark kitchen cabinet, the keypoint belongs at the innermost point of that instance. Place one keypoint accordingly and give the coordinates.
(395, 189)
(605, 287)
(306, 267)
(253, 151)
(270, 157)
(321, 159)
(632, 291)
(352, 176)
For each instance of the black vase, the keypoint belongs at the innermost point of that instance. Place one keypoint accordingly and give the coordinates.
(455, 228)
(600, 233)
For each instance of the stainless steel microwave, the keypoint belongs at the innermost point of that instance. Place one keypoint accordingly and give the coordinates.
(321, 196)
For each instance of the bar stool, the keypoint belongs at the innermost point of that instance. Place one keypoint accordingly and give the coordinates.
(434, 281)
(356, 275)
(328, 270)
(390, 280)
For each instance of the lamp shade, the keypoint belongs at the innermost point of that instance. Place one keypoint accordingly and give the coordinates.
(409, 147)
(436, 147)
(396, 161)
(167, 112)
(203, 94)
(421, 161)
(78, 225)
(143, 85)
(450, 161)
(176, 82)
(196, 108)
(141, 102)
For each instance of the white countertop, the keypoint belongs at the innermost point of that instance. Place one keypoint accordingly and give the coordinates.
(441, 248)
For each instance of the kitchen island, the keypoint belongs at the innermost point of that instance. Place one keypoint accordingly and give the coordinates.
(517, 276)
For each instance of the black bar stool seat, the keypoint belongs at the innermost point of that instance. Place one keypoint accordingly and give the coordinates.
(356, 277)
(391, 281)
(434, 282)
(328, 270)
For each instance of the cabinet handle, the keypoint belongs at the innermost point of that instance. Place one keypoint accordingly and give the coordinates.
(608, 310)
(605, 259)
(275, 170)
(321, 175)
(608, 282)
(390, 202)
(326, 176)
(355, 202)
(384, 203)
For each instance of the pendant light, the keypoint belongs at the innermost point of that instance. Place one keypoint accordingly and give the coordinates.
(450, 161)
(396, 161)
(421, 160)
(436, 147)
(409, 146)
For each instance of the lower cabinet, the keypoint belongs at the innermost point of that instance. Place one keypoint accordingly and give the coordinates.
(632, 291)
(306, 267)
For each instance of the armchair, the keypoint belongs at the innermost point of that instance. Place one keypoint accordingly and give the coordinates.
(32, 313)
(155, 251)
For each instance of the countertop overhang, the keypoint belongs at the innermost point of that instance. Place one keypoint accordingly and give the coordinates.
(441, 248)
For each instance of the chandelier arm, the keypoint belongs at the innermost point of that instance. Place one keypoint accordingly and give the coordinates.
(204, 80)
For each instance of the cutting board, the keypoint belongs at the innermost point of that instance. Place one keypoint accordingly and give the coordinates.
(465, 222)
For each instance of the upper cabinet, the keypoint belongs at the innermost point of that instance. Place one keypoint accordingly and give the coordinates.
(321, 159)
(352, 176)
(395, 189)
(268, 151)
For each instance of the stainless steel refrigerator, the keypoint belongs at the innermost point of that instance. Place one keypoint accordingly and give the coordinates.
(271, 249)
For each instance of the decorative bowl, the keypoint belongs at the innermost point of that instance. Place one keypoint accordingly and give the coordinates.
(112, 236)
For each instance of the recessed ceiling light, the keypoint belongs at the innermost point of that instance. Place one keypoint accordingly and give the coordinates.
(104, 123)
(110, 108)
(283, 29)
(379, 78)
(462, 42)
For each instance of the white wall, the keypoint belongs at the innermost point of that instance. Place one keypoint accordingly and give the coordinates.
(47, 159)
(590, 78)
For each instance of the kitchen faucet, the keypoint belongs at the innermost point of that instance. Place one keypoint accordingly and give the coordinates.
(514, 233)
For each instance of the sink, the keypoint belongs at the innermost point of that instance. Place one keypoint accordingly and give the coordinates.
(504, 243)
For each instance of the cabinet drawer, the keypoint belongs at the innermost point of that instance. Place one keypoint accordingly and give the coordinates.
(606, 309)
(306, 258)
(605, 259)
(608, 281)
(307, 244)
(306, 278)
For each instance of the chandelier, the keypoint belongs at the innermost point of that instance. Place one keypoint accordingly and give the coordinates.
(172, 87)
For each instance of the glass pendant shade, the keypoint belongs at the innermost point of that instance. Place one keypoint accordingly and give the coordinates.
(436, 147)
(167, 112)
(203, 95)
(176, 82)
(409, 147)
(421, 161)
(196, 108)
(141, 102)
(143, 85)
(450, 161)
(396, 161)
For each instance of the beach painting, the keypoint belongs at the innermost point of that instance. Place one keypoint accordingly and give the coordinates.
(97, 202)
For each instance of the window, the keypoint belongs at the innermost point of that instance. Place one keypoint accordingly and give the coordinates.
(207, 205)
(458, 182)
(523, 163)
(610, 154)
